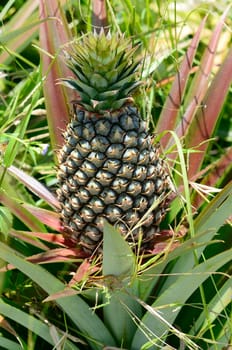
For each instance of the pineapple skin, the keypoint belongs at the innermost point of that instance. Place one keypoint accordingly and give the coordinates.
(109, 170)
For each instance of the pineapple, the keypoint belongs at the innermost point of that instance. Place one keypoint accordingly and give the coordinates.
(108, 166)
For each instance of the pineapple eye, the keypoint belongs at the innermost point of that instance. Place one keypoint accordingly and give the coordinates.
(159, 216)
(126, 171)
(96, 158)
(116, 134)
(97, 205)
(130, 156)
(72, 184)
(72, 141)
(141, 203)
(80, 177)
(158, 185)
(148, 220)
(93, 233)
(115, 151)
(76, 203)
(66, 149)
(131, 139)
(140, 173)
(88, 131)
(122, 228)
(151, 171)
(144, 141)
(113, 213)
(76, 131)
(104, 177)
(67, 210)
(83, 147)
(62, 172)
(76, 156)
(102, 127)
(108, 196)
(153, 156)
(119, 185)
(99, 222)
(125, 202)
(144, 157)
(65, 189)
(112, 165)
(148, 188)
(71, 166)
(83, 195)
(99, 143)
(134, 188)
(131, 217)
(78, 221)
(93, 187)
(87, 214)
(129, 122)
(88, 168)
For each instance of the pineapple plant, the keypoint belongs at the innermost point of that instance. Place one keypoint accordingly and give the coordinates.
(180, 295)
(109, 168)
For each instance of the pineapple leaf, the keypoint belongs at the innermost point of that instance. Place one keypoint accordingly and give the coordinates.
(206, 226)
(216, 306)
(54, 33)
(30, 323)
(73, 306)
(47, 217)
(22, 213)
(118, 258)
(208, 116)
(173, 102)
(172, 298)
(34, 185)
(119, 262)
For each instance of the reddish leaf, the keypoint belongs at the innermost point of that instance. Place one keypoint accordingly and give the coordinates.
(99, 15)
(58, 255)
(83, 271)
(47, 217)
(207, 116)
(6, 325)
(219, 169)
(173, 102)
(32, 238)
(34, 185)
(54, 33)
(28, 237)
(67, 292)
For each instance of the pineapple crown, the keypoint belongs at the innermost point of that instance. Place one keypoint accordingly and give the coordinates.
(105, 71)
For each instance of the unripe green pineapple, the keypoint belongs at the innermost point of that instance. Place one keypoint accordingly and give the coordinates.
(108, 167)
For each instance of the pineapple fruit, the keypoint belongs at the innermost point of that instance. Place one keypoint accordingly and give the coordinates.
(108, 166)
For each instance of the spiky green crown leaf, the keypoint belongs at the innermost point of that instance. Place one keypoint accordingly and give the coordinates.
(105, 71)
